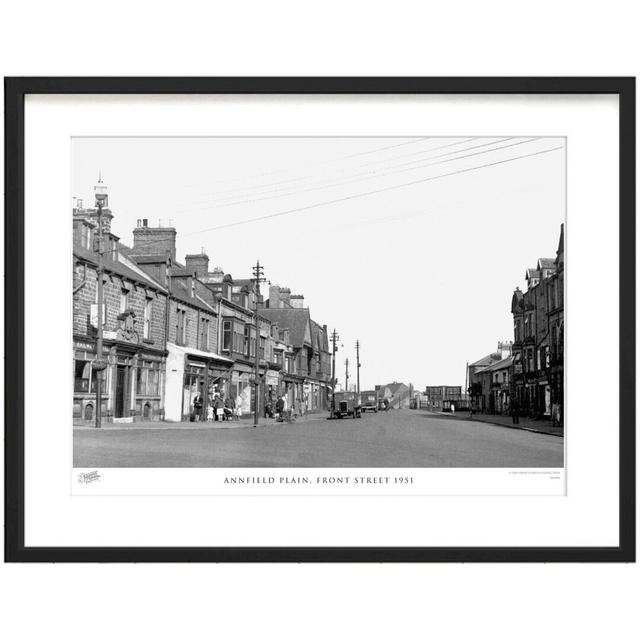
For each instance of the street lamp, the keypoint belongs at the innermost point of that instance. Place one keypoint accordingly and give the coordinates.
(99, 364)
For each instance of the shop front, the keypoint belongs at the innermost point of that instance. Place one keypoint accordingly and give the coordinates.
(271, 387)
(131, 383)
(241, 390)
(191, 375)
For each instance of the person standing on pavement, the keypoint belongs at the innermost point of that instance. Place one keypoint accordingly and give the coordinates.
(515, 412)
(279, 409)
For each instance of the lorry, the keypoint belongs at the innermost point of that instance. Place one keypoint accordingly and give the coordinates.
(369, 401)
(347, 404)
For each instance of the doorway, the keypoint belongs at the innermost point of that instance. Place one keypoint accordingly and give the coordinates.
(121, 380)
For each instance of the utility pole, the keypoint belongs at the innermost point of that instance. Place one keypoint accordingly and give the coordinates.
(358, 363)
(99, 364)
(258, 277)
(346, 374)
(334, 341)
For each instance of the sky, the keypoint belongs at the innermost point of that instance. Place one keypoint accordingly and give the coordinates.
(413, 246)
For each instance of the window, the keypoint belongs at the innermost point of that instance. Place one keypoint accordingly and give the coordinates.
(180, 322)
(277, 357)
(82, 376)
(148, 378)
(263, 344)
(247, 341)
(146, 332)
(124, 300)
(238, 337)
(204, 333)
(226, 335)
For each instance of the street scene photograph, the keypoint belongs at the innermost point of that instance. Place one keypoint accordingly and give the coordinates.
(318, 302)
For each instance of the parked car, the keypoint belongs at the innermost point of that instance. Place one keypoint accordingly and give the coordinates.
(369, 401)
(347, 404)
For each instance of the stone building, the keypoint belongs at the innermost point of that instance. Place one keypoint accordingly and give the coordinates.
(481, 395)
(538, 348)
(306, 380)
(134, 312)
(194, 365)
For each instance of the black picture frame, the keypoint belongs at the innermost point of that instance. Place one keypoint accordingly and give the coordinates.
(15, 91)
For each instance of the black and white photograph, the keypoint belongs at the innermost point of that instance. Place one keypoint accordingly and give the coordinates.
(318, 302)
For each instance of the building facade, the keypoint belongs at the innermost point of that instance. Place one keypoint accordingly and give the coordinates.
(538, 349)
(134, 312)
(177, 332)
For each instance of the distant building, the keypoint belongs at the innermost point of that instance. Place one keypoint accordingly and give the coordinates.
(397, 394)
(480, 385)
(440, 398)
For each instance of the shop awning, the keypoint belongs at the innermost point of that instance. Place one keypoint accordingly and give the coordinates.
(207, 355)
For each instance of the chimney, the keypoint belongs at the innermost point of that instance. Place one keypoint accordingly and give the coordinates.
(285, 297)
(198, 263)
(297, 301)
(154, 241)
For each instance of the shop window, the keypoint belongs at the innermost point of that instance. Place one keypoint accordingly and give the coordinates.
(82, 376)
(148, 379)
(88, 412)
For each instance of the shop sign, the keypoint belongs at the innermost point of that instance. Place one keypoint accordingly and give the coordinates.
(84, 346)
(271, 378)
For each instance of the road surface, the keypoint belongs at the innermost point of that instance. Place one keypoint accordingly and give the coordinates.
(400, 438)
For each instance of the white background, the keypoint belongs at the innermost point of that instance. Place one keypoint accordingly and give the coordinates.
(489, 38)
(587, 516)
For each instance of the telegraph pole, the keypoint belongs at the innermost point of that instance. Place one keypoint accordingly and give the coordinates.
(346, 374)
(334, 341)
(358, 363)
(99, 365)
(258, 277)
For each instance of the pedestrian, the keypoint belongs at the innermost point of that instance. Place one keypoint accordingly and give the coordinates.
(219, 407)
(453, 408)
(197, 407)
(229, 408)
(515, 412)
(279, 409)
(268, 409)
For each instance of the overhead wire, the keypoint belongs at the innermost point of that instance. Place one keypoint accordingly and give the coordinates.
(367, 175)
(368, 193)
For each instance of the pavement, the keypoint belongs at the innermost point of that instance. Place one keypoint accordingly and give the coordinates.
(394, 439)
(526, 424)
(242, 423)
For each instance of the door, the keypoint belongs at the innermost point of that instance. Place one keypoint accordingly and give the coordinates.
(120, 390)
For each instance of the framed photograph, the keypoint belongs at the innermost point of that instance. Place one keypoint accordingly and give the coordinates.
(320, 319)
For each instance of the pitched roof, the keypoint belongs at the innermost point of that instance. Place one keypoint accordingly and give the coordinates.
(546, 263)
(122, 267)
(296, 320)
(181, 291)
(501, 364)
(394, 387)
(486, 361)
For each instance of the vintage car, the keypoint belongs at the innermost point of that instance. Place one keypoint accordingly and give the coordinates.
(347, 403)
(369, 401)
